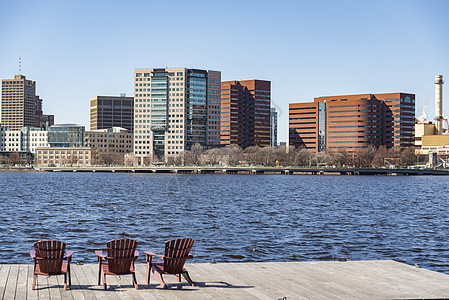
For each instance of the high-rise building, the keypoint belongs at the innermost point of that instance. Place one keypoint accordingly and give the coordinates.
(273, 127)
(41, 120)
(175, 108)
(353, 121)
(245, 113)
(109, 111)
(18, 102)
(37, 111)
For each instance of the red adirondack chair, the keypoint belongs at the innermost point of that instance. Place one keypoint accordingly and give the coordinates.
(120, 257)
(48, 257)
(176, 253)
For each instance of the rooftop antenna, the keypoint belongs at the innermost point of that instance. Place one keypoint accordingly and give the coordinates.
(20, 65)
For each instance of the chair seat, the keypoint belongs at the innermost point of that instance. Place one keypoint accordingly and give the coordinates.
(159, 267)
(105, 268)
(63, 270)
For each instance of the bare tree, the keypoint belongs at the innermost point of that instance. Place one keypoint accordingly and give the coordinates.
(335, 159)
(303, 157)
(365, 156)
(235, 155)
(14, 159)
(130, 159)
(111, 158)
(175, 160)
(381, 154)
(214, 156)
(253, 156)
(284, 157)
(193, 156)
(408, 156)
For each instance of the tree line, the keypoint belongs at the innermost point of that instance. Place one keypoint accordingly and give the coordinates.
(281, 156)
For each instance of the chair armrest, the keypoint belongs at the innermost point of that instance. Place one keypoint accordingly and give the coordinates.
(68, 254)
(149, 255)
(190, 256)
(33, 254)
(100, 254)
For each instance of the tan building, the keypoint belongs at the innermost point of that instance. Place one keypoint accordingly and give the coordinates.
(18, 103)
(175, 108)
(421, 129)
(63, 156)
(116, 139)
(435, 143)
(110, 111)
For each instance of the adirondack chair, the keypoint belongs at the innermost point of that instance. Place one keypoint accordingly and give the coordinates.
(176, 253)
(48, 257)
(120, 257)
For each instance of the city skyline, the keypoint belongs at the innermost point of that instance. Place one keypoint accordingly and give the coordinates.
(306, 50)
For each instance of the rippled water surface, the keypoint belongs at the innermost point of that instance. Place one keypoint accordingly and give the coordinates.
(231, 217)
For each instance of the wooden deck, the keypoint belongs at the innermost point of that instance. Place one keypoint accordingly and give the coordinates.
(273, 280)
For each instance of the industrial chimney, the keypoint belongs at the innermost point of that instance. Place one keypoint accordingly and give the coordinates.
(438, 104)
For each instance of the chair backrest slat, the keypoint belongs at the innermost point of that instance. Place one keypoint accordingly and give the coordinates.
(176, 253)
(120, 255)
(50, 255)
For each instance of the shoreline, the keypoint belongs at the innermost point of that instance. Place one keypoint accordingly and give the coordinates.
(251, 170)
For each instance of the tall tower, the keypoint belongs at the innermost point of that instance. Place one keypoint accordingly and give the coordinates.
(18, 102)
(439, 104)
(111, 111)
(175, 108)
(245, 113)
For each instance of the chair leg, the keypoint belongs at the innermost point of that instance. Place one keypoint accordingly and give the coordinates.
(135, 281)
(70, 277)
(99, 273)
(104, 281)
(187, 277)
(179, 277)
(34, 281)
(160, 279)
(148, 272)
(65, 281)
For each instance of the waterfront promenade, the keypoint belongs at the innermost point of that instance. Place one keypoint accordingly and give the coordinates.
(246, 170)
(385, 279)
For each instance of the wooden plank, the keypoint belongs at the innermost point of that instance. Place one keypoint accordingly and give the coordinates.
(10, 288)
(4, 271)
(54, 288)
(65, 294)
(77, 282)
(43, 287)
(240, 286)
(148, 291)
(91, 273)
(32, 295)
(273, 280)
(217, 284)
(21, 287)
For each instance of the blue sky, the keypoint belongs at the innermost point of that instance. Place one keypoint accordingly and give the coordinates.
(76, 50)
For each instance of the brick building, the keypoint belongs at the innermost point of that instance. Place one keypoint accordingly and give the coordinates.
(353, 121)
(245, 113)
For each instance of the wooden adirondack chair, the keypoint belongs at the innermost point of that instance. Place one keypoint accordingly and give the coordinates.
(176, 253)
(48, 257)
(120, 257)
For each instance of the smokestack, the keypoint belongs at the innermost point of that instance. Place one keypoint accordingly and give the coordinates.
(439, 104)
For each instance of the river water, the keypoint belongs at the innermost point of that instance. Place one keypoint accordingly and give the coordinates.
(232, 218)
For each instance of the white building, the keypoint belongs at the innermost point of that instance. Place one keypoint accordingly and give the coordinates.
(174, 109)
